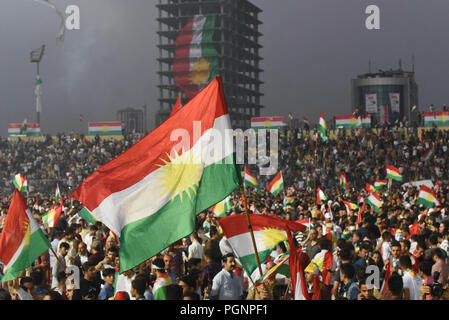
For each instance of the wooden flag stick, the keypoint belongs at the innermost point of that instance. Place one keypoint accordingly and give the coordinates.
(250, 227)
(57, 259)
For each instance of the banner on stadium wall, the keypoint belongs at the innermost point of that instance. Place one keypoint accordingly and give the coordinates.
(105, 128)
(371, 102)
(268, 123)
(438, 118)
(395, 102)
(33, 130)
(418, 184)
(350, 121)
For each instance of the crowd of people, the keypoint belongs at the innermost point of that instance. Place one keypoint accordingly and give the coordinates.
(408, 242)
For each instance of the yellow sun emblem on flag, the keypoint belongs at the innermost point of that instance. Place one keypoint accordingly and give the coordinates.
(272, 236)
(200, 71)
(27, 232)
(180, 174)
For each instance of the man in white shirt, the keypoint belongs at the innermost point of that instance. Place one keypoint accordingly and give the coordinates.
(226, 285)
(195, 249)
(412, 282)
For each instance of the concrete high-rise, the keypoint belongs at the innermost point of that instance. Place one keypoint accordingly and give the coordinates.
(236, 40)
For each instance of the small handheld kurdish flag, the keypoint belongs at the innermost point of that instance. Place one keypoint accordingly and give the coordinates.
(52, 216)
(322, 127)
(393, 173)
(374, 200)
(276, 185)
(268, 232)
(274, 269)
(379, 184)
(369, 187)
(250, 180)
(20, 182)
(21, 240)
(320, 196)
(343, 182)
(222, 208)
(350, 206)
(427, 197)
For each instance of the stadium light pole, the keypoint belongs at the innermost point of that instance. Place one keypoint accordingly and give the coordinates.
(36, 57)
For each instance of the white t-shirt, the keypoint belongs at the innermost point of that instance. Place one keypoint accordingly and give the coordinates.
(226, 287)
(413, 284)
(386, 251)
(196, 250)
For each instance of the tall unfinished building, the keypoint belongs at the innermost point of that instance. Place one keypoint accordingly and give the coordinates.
(199, 39)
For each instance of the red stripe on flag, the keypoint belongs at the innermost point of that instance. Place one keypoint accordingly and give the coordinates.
(14, 227)
(238, 224)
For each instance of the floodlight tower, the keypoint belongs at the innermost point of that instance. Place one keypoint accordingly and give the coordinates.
(36, 57)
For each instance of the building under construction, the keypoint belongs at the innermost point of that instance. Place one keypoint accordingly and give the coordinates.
(234, 37)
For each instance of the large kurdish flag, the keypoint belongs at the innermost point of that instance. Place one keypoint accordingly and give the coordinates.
(196, 59)
(268, 123)
(30, 130)
(105, 128)
(21, 240)
(427, 197)
(438, 118)
(350, 121)
(151, 194)
(393, 173)
(277, 184)
(268, 232)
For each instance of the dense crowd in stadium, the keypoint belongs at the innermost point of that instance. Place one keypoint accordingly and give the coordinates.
(407, 240)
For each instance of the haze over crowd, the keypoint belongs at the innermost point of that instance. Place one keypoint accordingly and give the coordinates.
(311, 50)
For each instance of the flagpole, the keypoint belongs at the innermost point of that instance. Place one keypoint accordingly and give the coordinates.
(57, 259)
(250, 227)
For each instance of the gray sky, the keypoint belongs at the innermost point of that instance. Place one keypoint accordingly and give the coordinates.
(312, 48)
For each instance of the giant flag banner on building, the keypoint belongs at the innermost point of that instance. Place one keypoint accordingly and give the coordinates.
(150, 194)
(371, 102)
(350, 121)
(16, 129)
(438, 118)
(427, 197)
(393, 173)
(268, 232)
(105, 128)
(276, 185)
(268, 123)
(20, 182)
(395, 101)
(196, 60)
(21, 240)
